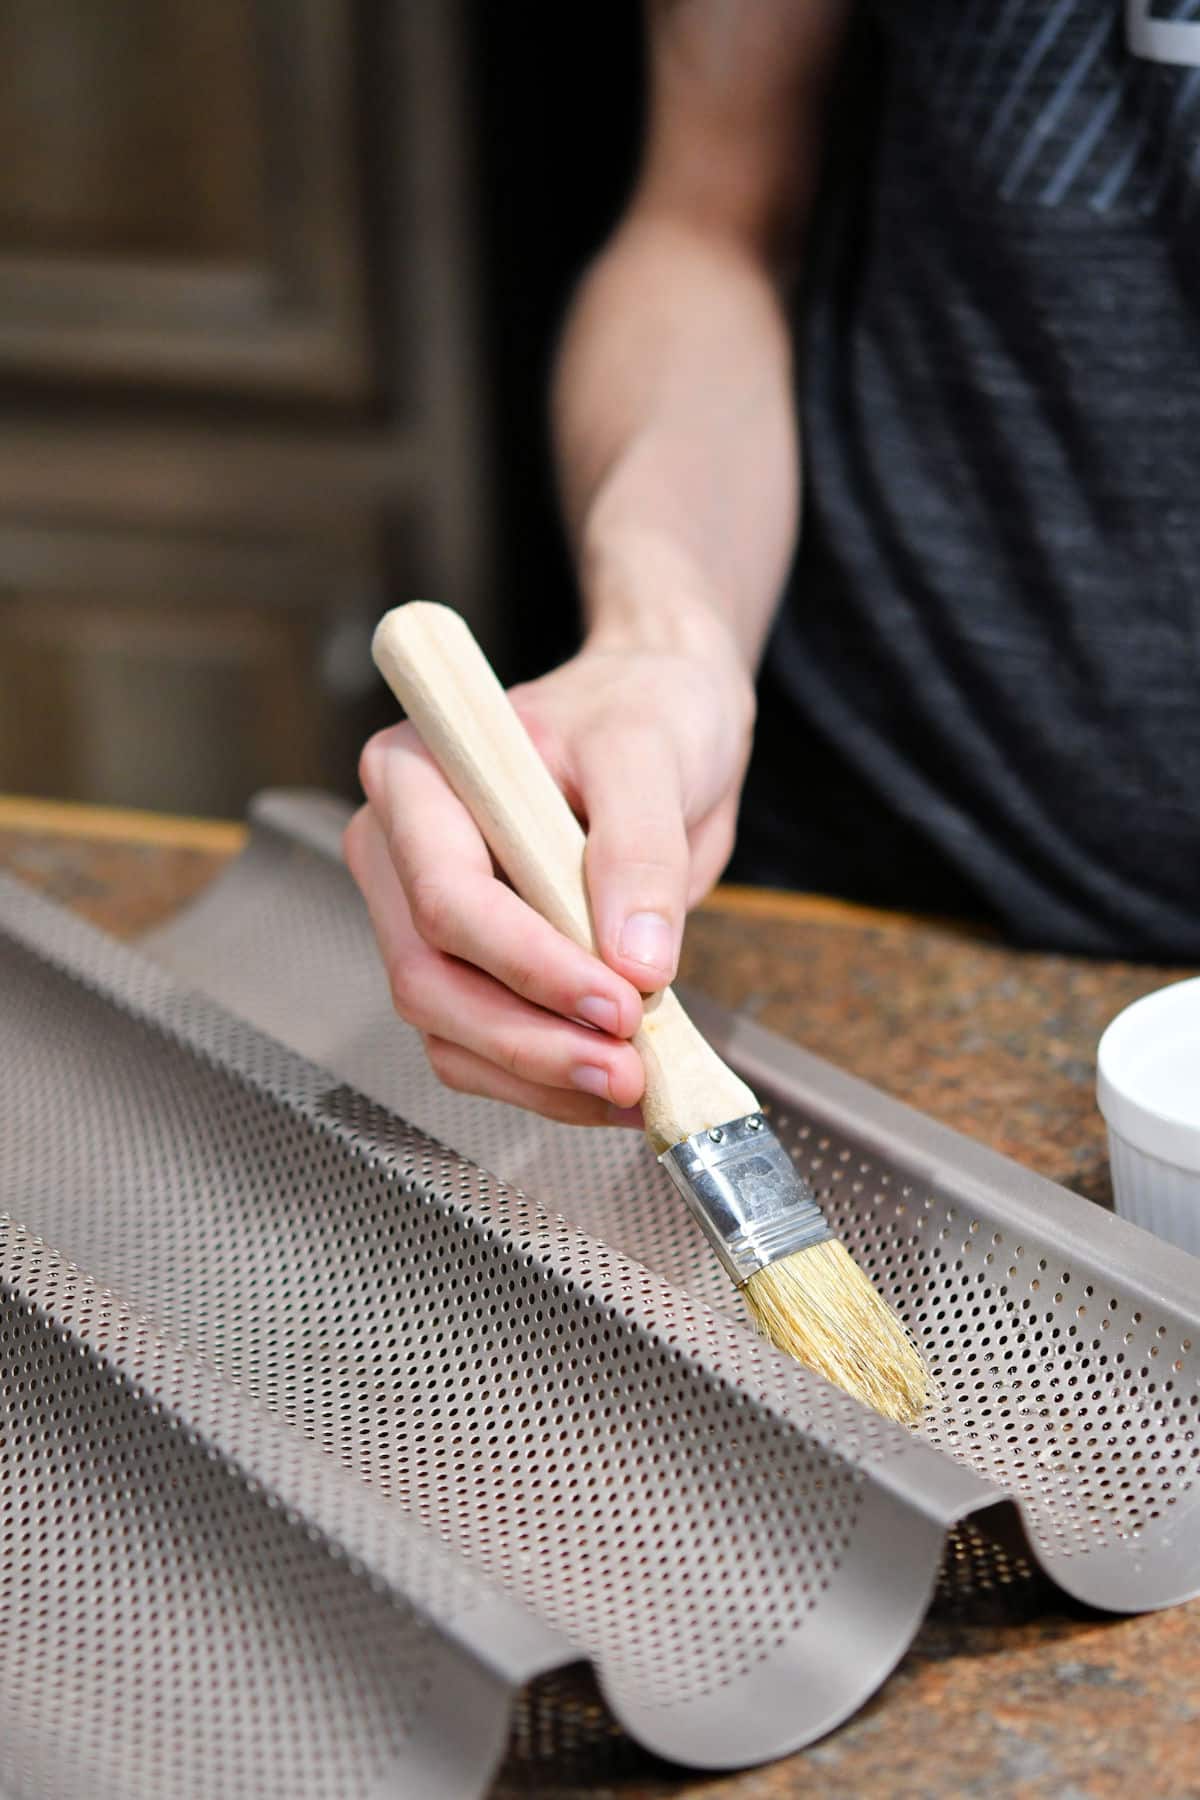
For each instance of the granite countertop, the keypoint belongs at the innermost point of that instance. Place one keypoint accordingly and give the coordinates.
(1021, 1697)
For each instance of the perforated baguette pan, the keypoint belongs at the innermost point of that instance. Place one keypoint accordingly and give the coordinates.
(324, 1431)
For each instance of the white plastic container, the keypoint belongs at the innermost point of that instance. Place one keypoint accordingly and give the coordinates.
(1148, 1088)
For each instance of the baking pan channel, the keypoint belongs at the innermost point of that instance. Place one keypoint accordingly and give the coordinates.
(326, 1431)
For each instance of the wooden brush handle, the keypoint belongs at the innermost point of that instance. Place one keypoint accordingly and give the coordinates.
(442, 679)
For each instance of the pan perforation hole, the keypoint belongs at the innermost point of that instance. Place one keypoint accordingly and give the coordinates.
(1035, 1394)
(501, 1347)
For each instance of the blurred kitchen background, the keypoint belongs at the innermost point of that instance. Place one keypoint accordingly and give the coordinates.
(279, 285)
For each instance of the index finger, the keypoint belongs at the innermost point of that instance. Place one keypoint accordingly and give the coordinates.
(461, 908)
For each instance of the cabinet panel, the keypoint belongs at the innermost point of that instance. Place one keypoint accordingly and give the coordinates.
(181, 673)
(108, 142)
(195, 201)
(179, 197)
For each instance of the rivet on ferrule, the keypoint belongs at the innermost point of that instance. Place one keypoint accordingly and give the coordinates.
(746, 1194)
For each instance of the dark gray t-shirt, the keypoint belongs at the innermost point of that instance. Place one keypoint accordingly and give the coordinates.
(983, 691)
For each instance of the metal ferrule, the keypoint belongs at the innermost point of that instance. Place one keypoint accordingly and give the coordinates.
(747, 1194)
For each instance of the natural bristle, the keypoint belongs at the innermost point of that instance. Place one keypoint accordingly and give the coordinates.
(820, 1307)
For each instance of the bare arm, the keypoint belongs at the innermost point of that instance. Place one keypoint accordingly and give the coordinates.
(674, 408)
(680, 475)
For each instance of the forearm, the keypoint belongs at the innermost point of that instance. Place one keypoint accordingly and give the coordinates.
(677, 439)
(679, 467)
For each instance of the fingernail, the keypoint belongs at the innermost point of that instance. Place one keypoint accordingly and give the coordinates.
(594, 1009)
(590, 1079)
(647, 938)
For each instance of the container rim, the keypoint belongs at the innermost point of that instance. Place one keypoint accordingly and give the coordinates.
(1121, 1087)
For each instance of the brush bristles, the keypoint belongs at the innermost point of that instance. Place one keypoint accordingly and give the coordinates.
(820, 1307)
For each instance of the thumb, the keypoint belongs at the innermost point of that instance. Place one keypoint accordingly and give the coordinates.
(637, 852)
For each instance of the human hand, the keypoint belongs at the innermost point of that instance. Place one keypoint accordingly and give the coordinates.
(650, 747)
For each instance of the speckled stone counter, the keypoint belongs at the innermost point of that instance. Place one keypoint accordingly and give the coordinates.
(1005, 1695)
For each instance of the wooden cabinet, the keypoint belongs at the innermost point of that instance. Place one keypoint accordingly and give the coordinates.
(238, 349)
(178, 195)
(177, 668)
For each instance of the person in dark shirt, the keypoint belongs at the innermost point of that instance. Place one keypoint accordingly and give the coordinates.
(955, 246)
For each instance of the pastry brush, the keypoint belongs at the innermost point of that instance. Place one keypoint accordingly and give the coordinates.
(804, 1290)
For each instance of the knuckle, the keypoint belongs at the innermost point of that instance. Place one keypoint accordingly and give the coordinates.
(445, 1063)
(658, 855)
(397, 980)
(521, 1060)
(433, 911)
(404, 986)
(352, 838)
(643, 833)
(370, 762)
(642, 870)
(524, 976)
